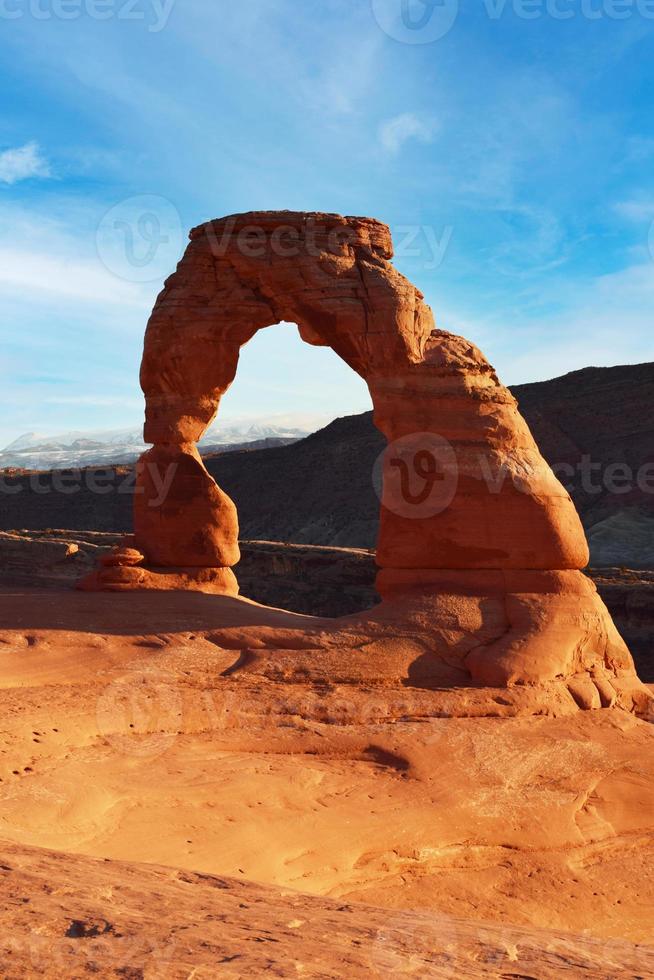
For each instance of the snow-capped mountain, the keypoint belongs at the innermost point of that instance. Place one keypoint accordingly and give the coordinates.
(38, 451)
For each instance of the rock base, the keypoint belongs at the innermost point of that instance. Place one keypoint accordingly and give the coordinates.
(522, 627)
(122, 578)
(460, 650)
(124, 569)
(436, 629)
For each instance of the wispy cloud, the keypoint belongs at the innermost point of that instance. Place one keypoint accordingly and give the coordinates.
(54, 260)
(636, 209)
(603, 320)
(394, 133)
(23, 162)
(84, 280)
(103, 401)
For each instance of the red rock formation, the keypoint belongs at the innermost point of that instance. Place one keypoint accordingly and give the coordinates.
(471, 514)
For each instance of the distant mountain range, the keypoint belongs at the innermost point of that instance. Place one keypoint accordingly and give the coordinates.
(595, 426)
(36, 451)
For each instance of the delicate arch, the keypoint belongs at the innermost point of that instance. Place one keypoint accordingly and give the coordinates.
(333, 277)
(484, 554)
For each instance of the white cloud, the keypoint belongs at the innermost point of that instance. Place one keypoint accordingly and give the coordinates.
(46, 260)
(638, 209)
(105, 401)
(394, 133)
(34, 271)
(22, 162)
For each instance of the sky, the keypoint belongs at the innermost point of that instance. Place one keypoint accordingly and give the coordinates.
(509, 144)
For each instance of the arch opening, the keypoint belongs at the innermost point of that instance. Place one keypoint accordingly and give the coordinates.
(320, 490)
(286, 385)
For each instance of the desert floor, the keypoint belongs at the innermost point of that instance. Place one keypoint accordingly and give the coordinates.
(251, 824)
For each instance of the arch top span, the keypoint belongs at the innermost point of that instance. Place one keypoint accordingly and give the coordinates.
(330, 275)
(317, 230)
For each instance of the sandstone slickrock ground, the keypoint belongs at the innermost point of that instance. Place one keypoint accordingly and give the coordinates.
(185, 713)
(375, 788)
(110, 918)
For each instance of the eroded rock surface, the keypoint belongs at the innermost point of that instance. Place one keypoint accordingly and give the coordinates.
(473, 521)
(112, 918)
(333, 277)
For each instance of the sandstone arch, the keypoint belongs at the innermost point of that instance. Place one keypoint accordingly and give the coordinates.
(500, 560)
(333, 277)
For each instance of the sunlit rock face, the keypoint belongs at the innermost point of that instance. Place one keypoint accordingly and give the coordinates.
(475, 529)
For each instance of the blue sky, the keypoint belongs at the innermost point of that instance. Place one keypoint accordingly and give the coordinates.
(512, 154)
